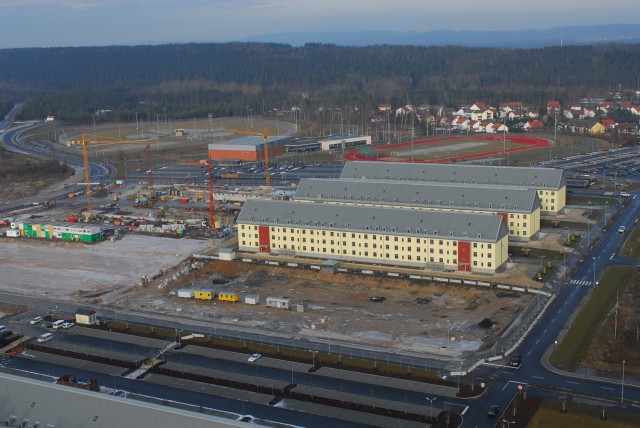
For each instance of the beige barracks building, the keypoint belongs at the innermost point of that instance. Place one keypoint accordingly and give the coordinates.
(519, 207)
(454, 241)
(549, 183)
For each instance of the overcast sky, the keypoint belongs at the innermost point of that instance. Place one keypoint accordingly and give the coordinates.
(26, 23)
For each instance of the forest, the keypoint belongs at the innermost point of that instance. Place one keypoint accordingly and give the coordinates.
(227, 79)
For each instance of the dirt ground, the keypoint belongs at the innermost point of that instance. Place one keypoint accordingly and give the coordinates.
(416, 317)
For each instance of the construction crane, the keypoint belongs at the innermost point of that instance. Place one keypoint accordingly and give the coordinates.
(87, 178)
(266, 151)
(152, 193)
(212, 208)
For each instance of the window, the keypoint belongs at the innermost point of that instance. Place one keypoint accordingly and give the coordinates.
(510, 215)
(454, 261)
(313, 249)
(353, 235)
(455, 252)
(408, 248)
(395, 239)
(396, 256)
(511, 224)
(256, 236)
(475, 245)
(440, 242)
(489, 246)
(489, 264)
(242, 242)
(431, 259)
(524, 225)
(395, 247)
(431, 250)
(375, 254)
(455, 243)
(475, 263)
(304, 248)
(366, 253)
(353, 252)
(408, 239)
(440, 251)
(386, 247)
(475, 254)
(409, 257)
(441, 260)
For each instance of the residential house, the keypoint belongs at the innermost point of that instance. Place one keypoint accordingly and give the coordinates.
(479, 106)
(385, 108)
(378, 118)
(533, 125)
(553, 106)
(609, 124)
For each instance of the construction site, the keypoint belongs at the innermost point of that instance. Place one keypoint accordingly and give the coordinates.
(167, 221)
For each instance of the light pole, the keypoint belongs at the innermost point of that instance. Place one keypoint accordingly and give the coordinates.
(594, 271)
(431, 406)
(622, 394)
(508, 422)
(605, 213)
(313, 353)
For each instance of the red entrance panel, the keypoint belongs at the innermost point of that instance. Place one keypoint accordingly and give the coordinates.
(264, 239)
(505, 216)
(464, 256)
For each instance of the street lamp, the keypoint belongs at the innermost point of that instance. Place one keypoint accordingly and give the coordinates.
(622, 395)
(431, 406)
(594, 271)
(605, 213)
(313, 363)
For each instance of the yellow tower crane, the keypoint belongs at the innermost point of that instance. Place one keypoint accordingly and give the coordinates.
(266, 151)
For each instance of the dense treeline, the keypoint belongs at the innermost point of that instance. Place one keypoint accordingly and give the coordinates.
(227, 79)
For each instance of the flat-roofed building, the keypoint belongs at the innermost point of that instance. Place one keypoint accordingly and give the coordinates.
(519, 207)
(548, 182)
(247, 148)
(343, 141)
(380, 235)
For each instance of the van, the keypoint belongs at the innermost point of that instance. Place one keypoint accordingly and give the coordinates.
(58, 324)
(3, 328)
(622, 229)
(45, 337)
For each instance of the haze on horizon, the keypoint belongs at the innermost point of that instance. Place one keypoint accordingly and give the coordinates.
(46, 23)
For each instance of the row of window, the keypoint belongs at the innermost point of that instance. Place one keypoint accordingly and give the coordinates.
(374, 254)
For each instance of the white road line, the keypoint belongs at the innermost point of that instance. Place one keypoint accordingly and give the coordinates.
(465, 410)
(573, 383)
(538, 377)
(528, 353)
(545, 330)
(606, 387)
(537, 341)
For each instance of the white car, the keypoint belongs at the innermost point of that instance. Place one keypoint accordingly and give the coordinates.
(36, 320)
(45, 337)
(625, 194)
(68, 324)
(254, 357)
(3, 328)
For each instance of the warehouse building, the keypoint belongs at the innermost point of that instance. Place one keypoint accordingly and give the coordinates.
(549, 183)
(380, 235)
(247, 148)
(331, 142)
(519, 207)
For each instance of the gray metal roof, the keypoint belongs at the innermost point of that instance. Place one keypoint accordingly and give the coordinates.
(532, 178)
(395, 221)
(247, 143)
(48, 403)
(418, 194)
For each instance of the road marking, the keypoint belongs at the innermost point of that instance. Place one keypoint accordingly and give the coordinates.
(465, 410)
(552, 320)
(528, 353)
(537, 341)
(610, 258)
(573, 383)
(545, 330)
(606, 387)
(538, 377)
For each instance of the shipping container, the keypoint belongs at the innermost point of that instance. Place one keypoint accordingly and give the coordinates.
(252, 299)
(228, 296)
(205, 294)
(187, 293)
(279, 302)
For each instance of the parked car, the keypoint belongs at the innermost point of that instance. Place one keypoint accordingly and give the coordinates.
(625, 194)
(494, 410)
(36, 320)
(254, 357)
(68, 324)
(622, 229)
(58, 324)
(3, 327)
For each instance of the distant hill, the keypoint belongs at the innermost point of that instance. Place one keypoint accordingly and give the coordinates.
(532, 38)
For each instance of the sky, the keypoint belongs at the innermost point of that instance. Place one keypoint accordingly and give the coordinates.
(45, 23)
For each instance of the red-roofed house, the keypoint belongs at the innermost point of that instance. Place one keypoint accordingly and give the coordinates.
(384, 107)
(479, 106)
(553, 105)
(534, 125)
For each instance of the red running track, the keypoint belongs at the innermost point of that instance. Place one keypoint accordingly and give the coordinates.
(528, 143)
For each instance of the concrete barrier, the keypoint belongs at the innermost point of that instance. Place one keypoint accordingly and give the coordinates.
(247, 260)
(504, 287)
(292, 264)
(455, 281)
(485, 284)
(394, 274)
(315, 267)
(415, 277)
(514, 288)
(427, 278)
(272, 263)
(367, 272)
(466, 281)
(441, 279)
(343, 270)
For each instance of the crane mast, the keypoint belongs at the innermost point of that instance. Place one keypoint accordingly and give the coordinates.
(87, 179)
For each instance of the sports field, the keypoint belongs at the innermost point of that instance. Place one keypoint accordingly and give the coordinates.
(448, 149)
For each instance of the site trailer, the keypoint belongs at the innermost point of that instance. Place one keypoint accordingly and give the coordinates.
(279, 302)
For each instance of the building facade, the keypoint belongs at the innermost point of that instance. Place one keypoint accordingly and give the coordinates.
(379, 235)
(519, 207)
(548, 182)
